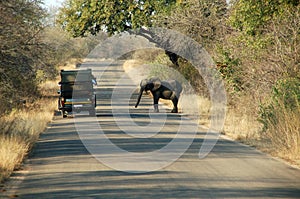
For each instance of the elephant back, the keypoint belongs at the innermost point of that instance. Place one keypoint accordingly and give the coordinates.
(173, 85)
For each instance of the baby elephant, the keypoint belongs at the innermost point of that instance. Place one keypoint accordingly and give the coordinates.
(161, 89)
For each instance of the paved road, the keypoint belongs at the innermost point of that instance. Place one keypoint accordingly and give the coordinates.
(62, 167)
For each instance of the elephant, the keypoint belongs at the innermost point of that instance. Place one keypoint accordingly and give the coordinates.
(170, 90)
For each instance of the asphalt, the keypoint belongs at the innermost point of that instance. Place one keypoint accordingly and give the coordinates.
(74, 159)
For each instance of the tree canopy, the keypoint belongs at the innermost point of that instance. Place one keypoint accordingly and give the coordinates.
(80, 17)
(252, 16)
(20, 46)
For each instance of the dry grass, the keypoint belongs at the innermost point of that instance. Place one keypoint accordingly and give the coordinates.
(13, 150)
(21, 128)
(242, 126)
(136, 70)
(282, 138)
(71, 64)
(187, 105)
(241, 123)
(284, 134)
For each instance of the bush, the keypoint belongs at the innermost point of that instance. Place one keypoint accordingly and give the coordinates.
(186, 72)
(230, 69)
(281, 118)
(21, 128)
(285, 97)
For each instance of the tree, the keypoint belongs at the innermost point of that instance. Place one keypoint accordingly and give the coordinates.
(203, 21)
(20, 45)
(252, 16)
(80, 17)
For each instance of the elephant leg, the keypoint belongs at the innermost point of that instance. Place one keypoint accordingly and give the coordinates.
(156, 108)
(156, 104)
(175, 102)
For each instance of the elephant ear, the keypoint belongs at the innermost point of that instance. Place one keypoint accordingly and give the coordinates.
(156, 83)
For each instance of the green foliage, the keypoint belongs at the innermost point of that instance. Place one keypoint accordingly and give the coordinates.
(163, 68)
(21, 48)
(265, 40)
(30, 52)
(61, 47)
(190, 73)
(201, 20)
(253, 16)
(230, 69)
(80, 17)
(281, 118)
(285, 96)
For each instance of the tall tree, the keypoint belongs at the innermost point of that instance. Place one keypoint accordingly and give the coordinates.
(252, 16)
(20, 46)
(202, 20)
(80, 17)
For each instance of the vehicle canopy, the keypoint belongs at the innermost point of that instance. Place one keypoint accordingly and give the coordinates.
(68, 76)
(79, 81)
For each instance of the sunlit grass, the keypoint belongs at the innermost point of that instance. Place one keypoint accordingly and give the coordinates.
(12, 151)
(241, 126)
(284, 134)
(241, 123)
(21, 128)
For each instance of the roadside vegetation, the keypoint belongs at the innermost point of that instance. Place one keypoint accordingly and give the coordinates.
(255, 45)
(21, 128)
(256, 48)
(32, 51)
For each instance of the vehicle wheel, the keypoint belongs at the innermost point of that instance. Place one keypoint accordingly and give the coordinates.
(65, 114)
(58, 104)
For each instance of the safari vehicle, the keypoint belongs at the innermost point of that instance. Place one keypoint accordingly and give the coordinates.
(76, 92)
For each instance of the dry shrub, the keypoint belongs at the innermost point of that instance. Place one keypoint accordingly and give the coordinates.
(242, 126)
(285, 134)
(20, 129)
(203, 110)
(13, 149)
(136, 69)
(280, 116)
(147, 54)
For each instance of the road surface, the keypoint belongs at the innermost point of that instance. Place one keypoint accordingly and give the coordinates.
(62, 167)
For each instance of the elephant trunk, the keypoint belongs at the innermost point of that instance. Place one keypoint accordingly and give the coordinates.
(139, 98)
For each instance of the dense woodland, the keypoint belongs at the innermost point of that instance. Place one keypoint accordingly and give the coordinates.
(254, 43)
(31, 49)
